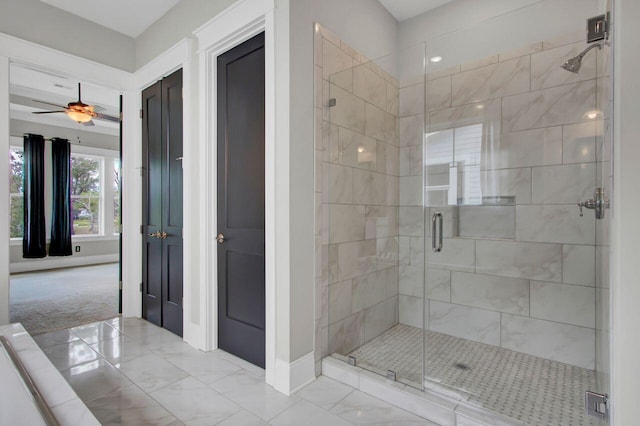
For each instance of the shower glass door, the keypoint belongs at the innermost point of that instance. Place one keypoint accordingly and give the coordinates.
(516, 283)
(375, 264)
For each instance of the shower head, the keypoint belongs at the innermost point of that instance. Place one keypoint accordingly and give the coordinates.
(573, 64)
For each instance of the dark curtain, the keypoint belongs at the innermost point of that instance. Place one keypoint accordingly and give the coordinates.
(34, 240)
(60, 244)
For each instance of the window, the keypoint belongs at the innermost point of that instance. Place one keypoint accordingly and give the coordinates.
(86, 198)
(16, 185)
(116, 197)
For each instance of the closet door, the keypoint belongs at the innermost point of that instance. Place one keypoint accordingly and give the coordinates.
(162, 203)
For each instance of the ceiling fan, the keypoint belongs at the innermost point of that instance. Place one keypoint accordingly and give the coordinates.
(79, 112)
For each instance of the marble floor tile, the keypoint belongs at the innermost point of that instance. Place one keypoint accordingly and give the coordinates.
(119, 349)
(305, 413)
(324, 392)
(93, 333)
(151, 372)
(207, 367)
(243, 418)
(94, 379)
(194, 403)
(67, 355)
(55, 338)
(129, 406)
(74, 412)
(360, 408)
(254, 394)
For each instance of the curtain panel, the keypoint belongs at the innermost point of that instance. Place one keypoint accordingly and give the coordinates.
(34, 239)
(61, 224)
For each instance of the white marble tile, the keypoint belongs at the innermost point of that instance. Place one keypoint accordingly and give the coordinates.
(346, 223)
(370, 86)
(521, 51)
(380, 125)
(346, 335)
(458, 254)
(411, 221)
(603, 266)
(393, 99)
(411, 266)
(129, 406)
(578, 183)
(55, 338)
(53, 387)
(411, 130)
(356, 150)
(388, 159)
(410, 190)
(324, 392)
(306, 413)
(411, 161)
(479, 63)
(379, 318)
(371, 289)
(411, 310)
(435, 71)
(438, 285)
(348, 111)
(486, 221)
(369, 187)
(74, 412)
(579, 143)
(387, 252)
(563, 39)
(195, 403)
(538, 261)
(340, 184)
(603, 309)
(491, 81)
(380, 222)
(206, 366)
(94, 379)
(254, 394)
(490, 292)
(507, 183)
(578, 264)
(555, 106)
(554, 224)
(559, 342)
(486, 113)
(545, 71)
(350, 260)
(569, 304)
(243, 418)
(150, 372)
(340, 301)
(360, 408)
(438, 94)
(468, 323)
(334, 60)
(536, 147)
(70, 354)
(412, 100)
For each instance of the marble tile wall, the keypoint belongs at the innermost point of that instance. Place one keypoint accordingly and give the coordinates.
(528, 273)
(357, 196)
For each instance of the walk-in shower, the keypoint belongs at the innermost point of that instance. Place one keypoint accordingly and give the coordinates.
(451, 255)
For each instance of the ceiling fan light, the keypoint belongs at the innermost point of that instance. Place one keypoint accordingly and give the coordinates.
(79, 117)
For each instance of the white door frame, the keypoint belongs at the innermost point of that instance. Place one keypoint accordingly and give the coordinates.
(16, 50)
(230, 28)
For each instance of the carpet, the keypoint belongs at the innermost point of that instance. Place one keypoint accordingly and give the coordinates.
(46, 301)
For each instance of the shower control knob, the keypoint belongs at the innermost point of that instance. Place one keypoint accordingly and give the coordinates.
(598, 203)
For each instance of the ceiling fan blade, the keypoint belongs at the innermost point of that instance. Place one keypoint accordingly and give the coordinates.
(88, 123)
(46, 112)
(97, 108)
(48, 103)
(107, 117)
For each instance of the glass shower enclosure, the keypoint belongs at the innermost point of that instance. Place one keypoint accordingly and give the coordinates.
(455, 257)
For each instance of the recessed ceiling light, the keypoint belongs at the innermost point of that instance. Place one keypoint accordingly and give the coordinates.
(435, 58)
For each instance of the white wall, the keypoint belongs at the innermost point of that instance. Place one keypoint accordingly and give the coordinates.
(626, 227)
(369, 28)
(176, 24)
(49, 26)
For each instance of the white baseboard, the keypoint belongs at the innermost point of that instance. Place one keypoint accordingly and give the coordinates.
(61, 262)
(291, 377)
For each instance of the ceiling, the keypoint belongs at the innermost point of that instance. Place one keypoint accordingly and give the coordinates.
(29, 85)
(129, 17)
(405, 9)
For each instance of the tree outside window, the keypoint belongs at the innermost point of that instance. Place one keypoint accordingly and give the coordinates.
(116, 196)
(16, 189)
(86, 174)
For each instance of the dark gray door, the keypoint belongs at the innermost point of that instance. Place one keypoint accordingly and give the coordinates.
(162, 203)
(241, 265)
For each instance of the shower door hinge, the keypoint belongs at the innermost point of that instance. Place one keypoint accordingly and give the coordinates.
(332, 102)
(596, 404)
(120, 285)
(141, 113)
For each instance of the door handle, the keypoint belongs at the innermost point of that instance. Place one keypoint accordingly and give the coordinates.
(156, 234)
(220, 238)
(163, 235)
(436, 219)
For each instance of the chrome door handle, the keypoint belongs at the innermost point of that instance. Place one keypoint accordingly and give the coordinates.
(436, 219)
(220, 238)
(156, 234)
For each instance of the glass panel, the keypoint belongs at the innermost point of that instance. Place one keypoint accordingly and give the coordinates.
(16, 184)
(86, 194)
(375, 264)
(116, 196)
(514, 303)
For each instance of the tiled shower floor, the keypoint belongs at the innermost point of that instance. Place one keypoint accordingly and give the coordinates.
(534, 390)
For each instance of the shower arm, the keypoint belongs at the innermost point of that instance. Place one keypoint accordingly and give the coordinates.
(585, 51)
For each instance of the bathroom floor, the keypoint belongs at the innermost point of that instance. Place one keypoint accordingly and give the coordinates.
(130, 372)
(534, 390)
